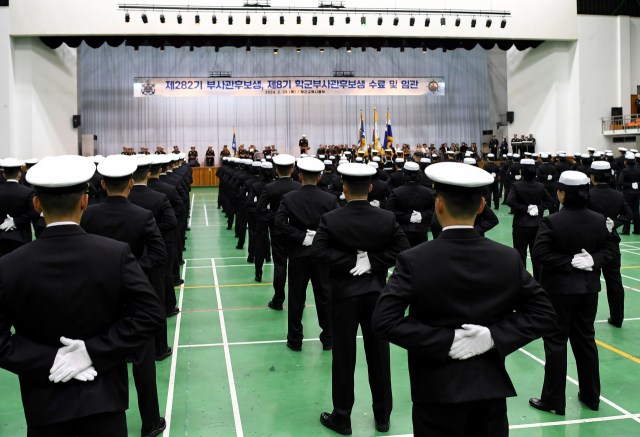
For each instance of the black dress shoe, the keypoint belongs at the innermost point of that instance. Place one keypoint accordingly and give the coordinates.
(636, 233)
(327, 420)
(250, 259)
(155, 430)
(274, 307)
(294, 348)
(617, 325)
(188, 228)
(173, 312)
(167, 353)
(181, 263)
(382, 427)
(594, 406)
(219, 206)
(239, 247)
(258, 278)
(228, 228)
(178, 283)
(623, 233)
(327, 346)
(543, 406)
(268, 260)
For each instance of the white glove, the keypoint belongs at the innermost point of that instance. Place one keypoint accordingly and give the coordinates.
(70, 361)
(255, 199)
(87, 375)
(494, 175)
(268, 206)
(8, 224)
(550, 178)
(583, 261)
(532, 210)
(518, 177)
(375, 203)
(342, 196)
(609, 224)
(470, 341)
(362, 264)
(308, 240)
(416, 217)
(633, 185)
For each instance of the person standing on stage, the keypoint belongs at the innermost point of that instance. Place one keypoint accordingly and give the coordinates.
(266, 209)
(358, 253)
(460, 328)
(297, 219)
(611, 204)
(67, 322)
(528, 199)
(303, 144)
(412, 206)
(629, 181)
(493, 145)
(210, 157)
(572, 246)
(504, 148)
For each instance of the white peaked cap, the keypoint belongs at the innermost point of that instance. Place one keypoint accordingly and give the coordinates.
(516, 155)
(358, 159)
(321, 157)
(622, 149)
(399, 160)
(427, 160)
(608, 151)
(118, 166)
(411, 166)
(11, 163)
(332, 157)
(328, 162)
(637, 155)
(283, 159)
(247, 161)
(181, 155)
(591, 149)
(31, 161)
(573, 178)
(509, 155)
(158, 159)
(256, 164)
(266, 165)
(373, 164)
(544, 155)
(311, 165)
(98, 158)
(61, 171)
(601, 165)
(356, 170)
(304, 155)
(459, 175)
(144, 160)
(629, 155)
(633, 151)
(527, 162)
(263, 160)
(470, 161)
(490, 155)
(376, 159)
(450, 152)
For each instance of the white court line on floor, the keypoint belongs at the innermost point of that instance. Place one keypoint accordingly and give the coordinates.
(227, 356)
(244, 265)
(241, 343)
(228, 257)
(174, 357)
(193, 201)
(630, 251)
(630, 277)
(626, 288)
(573, 381)
(624, 320)
(206, 217)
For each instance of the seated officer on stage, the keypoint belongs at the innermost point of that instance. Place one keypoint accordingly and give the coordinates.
(460, 327)
(210, 157)
(358, 253)
(76, 320)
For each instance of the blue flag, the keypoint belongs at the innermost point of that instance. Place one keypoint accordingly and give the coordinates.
(233, 145)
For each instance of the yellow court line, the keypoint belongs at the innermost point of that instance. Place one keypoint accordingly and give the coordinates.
(619, 352)
(631, 267)
(230, 285)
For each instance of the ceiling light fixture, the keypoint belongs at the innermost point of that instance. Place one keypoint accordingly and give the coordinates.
(363, 21)
(427, 21)
(458, 22)
(275, 51)
(412, 21)
(489, 23)
(331, 21)
(503, 24)
(162, 20)
(127, 18)
(145, 20)
(443, 22)
(214, 20)
(197, 19)
(314, 21)
(281, 20)
(473, 22)
(396, 21)
(298, 20)
(348, 49)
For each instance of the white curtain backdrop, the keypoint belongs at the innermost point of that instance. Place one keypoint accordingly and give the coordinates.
(110, 111)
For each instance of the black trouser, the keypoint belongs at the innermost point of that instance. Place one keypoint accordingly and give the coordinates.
(251, 221)
(96, 425)
(523, 238)
(7, 246)
(507, 187)
(209, 162)
(553, 192)
(263, 244)
(279, 252)
(170, 269)
(144, 376)
(615, 289)
(575, 314)
(346, 315)
(633, 200)
(301, 270)
(494, 190)
(416, 238)
(485, 418)
(157, 280)
(241, 226)
(502, 186)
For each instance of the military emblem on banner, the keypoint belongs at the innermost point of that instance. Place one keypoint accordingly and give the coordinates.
(433, 87)
(148, 89)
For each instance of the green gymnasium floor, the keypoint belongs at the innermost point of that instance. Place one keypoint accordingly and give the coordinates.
(233, 376)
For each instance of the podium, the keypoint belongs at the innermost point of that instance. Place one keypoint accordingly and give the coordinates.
(528, 146)
(304, 149)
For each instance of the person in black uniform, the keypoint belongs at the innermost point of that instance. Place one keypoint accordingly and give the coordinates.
(336, 186)
(379, 194)
(297, 219)
(493, 145)
(16, 209)
(327, 176)
(240, 200)
(262, 247)
(359, 253)
(618, 166)
(611, 204)
(103, 310)
(562, 165)
(193, 157)
(156, 202)
(304, 144)
(96, 193)
(494, 170)
(28, 163)
(412, 205)
(119, 219)
(513, 174)
(515, 145)
(548, 175)
(572, 246)
(266, 209)
(460, 327)
(629, 181)
(504, 148)
(250, 207)
(585, 164)
(210, 157)
(504, 179)
(175, 151)
(528, 199)
(637, 104)
(396, 179)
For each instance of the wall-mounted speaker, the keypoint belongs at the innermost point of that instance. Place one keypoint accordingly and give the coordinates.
(510, 117)
(76, 121)
(616, 112)
(487, 132)
(4, 2)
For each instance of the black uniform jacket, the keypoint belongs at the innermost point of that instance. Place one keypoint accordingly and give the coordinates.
(121, 220)
(378, 191)
(492, 167)
(449, 282)
(158, 204)
(563, 235)
(269, 200)
(408, 198)
(611, 204)
(325, 180)
(179, 208)
(301, 210)
(484, 222)
(628, 177)
(523, 194)
(358, 226)
(73, 296)
(17, 201)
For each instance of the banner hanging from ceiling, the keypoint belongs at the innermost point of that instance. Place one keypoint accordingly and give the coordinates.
(289, 86)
